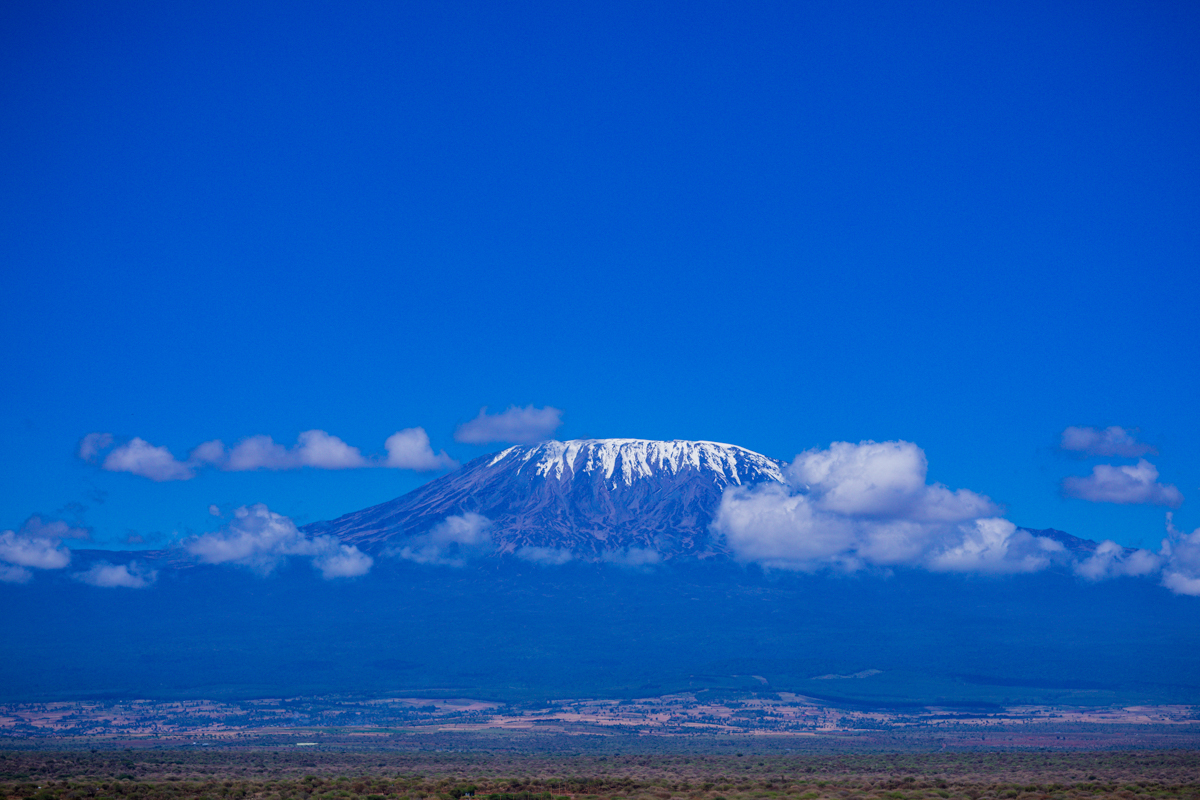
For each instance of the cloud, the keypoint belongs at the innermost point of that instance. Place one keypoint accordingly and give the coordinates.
(868, 504)
(406, 449)
(1111, 441)
(35, 526)
(884, 480)
(91, 445)
(312, 449)
(549, 556)
(107, 576)
(516, 425)
(410, 449)
(37, 545)
(995, 545)
(635, 557)
(139, 457)
(452, 542)
(1126, 485)
(260, 539)
(1111, 560)
(1181, 554)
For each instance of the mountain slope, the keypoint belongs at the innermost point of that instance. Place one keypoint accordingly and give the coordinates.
(590, 496)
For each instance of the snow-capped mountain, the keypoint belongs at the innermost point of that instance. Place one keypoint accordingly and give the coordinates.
(589, 496)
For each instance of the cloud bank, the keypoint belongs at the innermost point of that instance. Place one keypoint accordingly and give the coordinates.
(1126, 485)
(37, 545)
(109, 576)
(453, 542)
(516, 426)
(1111, 441)
(868, 504)
(317, 449)
(261, 540)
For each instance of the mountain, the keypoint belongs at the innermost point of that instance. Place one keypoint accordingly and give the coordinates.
(590, 496)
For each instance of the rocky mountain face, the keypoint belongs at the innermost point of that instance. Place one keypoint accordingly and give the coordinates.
(589, 496)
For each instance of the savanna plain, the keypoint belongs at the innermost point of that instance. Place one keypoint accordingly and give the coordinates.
(534, 766)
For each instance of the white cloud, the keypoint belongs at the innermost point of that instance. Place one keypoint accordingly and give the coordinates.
(139, 457)
(516, 425)
(452, 542)
(881, 479)
(410, 449)
(54, 529)
(635, 557)
(129, 576)
(1126, 485)
(208, 453)
(1181, 554)
(91, 445)
(312, 449)
(342, 561)
(1111, 560)
(406, 449)
(37, 545)
(995, 545)
(551, 556)
(260, 539)
(854, 505)
(1111, 441)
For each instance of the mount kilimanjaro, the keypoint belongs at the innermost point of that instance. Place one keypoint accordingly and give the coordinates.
(589, 496)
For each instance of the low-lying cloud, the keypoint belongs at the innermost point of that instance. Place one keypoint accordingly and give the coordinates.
(110, 576)
(515, 425)
(37, 545)
(547, 556)
(261, 540)
(868, 504)
(453, 542)
(1127, 485)
(1111, 441)
(406, 449)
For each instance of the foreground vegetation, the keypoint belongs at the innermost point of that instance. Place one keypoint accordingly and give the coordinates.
(296, 775)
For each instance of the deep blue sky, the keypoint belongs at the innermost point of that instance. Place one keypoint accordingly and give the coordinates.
(778, 225)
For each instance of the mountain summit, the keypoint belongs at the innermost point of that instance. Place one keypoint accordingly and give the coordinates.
(590, 496)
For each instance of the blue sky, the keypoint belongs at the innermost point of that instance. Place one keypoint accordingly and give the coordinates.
(968, 226)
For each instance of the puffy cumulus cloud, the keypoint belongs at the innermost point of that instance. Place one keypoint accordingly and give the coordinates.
(37, 545)
(1111, 441)
(516, 425)
(549, 556)
(108, 576)
(882, 479)
(868, 504)
(1111, 560)
(406, 449)
(1126, 485)
(312, 449)
(994, 545)
(260, 539)
(410, 449)
(1181, 557)
(452, 542)
(139, 457)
